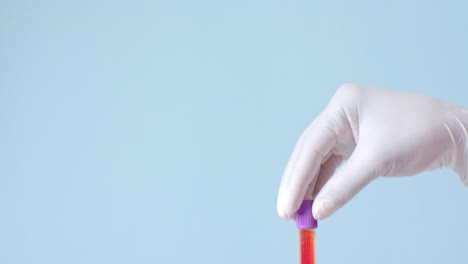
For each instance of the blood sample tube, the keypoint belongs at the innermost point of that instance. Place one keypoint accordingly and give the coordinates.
(306, 224)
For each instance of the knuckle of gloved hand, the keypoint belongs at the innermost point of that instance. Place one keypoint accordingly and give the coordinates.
(349, 92)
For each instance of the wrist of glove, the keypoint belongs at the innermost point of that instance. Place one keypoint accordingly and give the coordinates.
(459, 131)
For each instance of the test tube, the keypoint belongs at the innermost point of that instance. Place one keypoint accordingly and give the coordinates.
(306, 224)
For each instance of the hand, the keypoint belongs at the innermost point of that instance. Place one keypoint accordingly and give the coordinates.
(380, 133)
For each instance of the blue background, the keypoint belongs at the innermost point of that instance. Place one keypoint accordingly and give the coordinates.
(158, 131)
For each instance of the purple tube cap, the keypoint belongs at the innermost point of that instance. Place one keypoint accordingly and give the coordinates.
(304, 217)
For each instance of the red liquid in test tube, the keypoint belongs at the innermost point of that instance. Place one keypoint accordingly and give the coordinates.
(307, 246)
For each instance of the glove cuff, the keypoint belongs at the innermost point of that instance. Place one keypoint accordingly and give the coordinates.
(462, 154)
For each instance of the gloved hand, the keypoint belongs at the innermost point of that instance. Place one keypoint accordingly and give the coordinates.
(380, 133)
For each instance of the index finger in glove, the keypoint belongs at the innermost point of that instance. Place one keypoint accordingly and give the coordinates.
(303, 167)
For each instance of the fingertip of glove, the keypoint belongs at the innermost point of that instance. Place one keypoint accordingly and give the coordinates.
(323, 209)
(281, 213)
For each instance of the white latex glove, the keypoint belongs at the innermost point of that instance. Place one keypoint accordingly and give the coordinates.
(380, 133)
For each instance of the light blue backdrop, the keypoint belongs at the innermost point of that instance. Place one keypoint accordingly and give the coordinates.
(157, 131)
